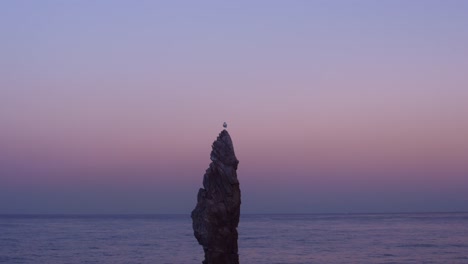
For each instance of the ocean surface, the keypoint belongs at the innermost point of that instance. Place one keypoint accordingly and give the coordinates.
(346, 238)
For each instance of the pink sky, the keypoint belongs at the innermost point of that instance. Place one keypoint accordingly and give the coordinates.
(112, 107)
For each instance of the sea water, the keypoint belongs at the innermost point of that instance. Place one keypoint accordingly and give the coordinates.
(347, 238)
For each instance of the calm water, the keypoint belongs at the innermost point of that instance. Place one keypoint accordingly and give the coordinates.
(371, 238)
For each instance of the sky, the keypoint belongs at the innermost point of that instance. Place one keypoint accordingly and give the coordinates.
(333, 106)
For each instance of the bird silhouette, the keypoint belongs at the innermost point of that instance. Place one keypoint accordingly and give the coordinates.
(224, 125)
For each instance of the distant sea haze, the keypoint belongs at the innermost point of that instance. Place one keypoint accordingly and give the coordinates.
(264, 239)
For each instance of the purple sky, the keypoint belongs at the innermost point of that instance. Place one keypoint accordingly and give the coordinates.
(333, 106)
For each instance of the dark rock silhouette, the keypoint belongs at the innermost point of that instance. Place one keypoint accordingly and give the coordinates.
(216, 216)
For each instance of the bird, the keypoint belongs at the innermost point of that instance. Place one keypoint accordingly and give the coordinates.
(224, 125)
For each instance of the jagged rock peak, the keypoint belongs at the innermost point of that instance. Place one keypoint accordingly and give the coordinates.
(223, 150)
(216, 215)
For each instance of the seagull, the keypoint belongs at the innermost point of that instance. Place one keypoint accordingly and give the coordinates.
(224, 125)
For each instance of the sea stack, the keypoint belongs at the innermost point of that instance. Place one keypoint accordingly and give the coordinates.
(216, 216)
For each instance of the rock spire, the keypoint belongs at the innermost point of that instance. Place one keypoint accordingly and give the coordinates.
(216, 216)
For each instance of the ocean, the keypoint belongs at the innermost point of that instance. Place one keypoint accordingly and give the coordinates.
(312, 238)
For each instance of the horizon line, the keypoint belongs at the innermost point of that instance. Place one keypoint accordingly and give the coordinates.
(180, 214)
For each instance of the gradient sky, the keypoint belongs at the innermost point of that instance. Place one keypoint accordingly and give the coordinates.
(333, 106)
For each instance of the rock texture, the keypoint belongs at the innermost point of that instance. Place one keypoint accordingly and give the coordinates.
(216, 216)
